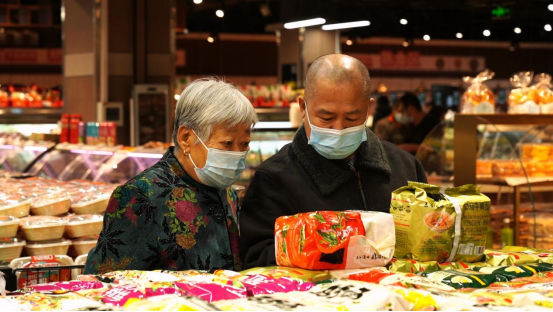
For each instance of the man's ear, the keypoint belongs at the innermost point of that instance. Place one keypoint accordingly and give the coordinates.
(301, 101)
(185, 139)
(371, 103)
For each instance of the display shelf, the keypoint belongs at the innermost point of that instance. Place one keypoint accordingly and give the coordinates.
(14, 115)
(272, 110)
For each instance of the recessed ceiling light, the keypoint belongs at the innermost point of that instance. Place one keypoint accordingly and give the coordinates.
(459, 35)
(403, 21)
(487, 33)
(547, 27)
(210, 39)
(518, 30)
(349, 42)
(220, 13)
(426, 37)
(550, 7)
(198, 1)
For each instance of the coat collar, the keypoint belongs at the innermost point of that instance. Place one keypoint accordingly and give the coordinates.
(328, 174)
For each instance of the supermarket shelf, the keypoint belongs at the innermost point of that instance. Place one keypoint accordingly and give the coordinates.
(272, 110)
(30, 115)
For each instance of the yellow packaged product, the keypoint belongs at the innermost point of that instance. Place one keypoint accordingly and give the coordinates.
(545, 94)
(278, 272)
(523, 100)
(461, 278)
(439, 223)
(478, 99)
(461, 265)
(500, 258)
(421, 300)
(412, 266)
(169, 303)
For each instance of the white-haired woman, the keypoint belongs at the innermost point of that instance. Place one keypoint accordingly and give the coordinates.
(181, 213)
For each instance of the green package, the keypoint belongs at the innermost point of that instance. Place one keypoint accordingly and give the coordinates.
(412, 266)
(461, 278)
(443, 224)
(461, 265)
(507, 273)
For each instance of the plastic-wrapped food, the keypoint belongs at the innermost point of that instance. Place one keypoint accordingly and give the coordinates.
(13, 304)
(478, 99)
(461, 278)
(63, 287)
(500, 258)
(27, 278)
(270, 303)
(262, 284)
(523, 100)
(277, 272)
(439, 223)
(119, 295)
(8, 226)
(545, 94)
(383, 277)
(533, 301)
(49, 247)
(40, 228)
(12, 205)
(461, 265)
(507, 273)
(210, 291)
(10, 248)
(91, 204)
(334, 240)
(168, 303)
(83, 225)
(50, 204)
(82, 245)
(412, 266)
(420, 299)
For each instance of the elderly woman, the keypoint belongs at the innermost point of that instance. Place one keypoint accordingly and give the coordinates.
(181, 213)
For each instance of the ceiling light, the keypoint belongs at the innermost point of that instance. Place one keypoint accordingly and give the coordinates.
(487, 33)
(403, 21)
(405, 44)
(305, 23)
(349, 42)
(198, 1)
(346, 25)
(210, 39)
(459, 35)
(547, 27)
(550, 7)
(426, 37)
(220, 13)
(518, 30)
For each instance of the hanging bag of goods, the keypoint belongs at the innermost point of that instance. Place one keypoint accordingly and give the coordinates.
(478, 99)
(335, 240)
(545, 94)
(523, 100)
(440, 224)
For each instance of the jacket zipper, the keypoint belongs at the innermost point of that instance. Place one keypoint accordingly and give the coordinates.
(360, 187)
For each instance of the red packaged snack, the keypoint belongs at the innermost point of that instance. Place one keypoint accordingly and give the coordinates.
(334, 240)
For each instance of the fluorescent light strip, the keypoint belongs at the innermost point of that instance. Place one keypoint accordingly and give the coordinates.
(35, 148)
(145, 155)
(346, 25)
(11, 147)
(79, 151)
(305, 23)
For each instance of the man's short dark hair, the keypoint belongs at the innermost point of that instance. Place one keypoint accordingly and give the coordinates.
(410, 99)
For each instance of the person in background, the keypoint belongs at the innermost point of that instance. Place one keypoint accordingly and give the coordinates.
(434, 110)
(420, 124)
(181, 213)
(383, 110)
(334, 162)
(391, 129)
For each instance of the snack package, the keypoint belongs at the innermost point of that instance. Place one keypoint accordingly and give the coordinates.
(461, 278)
(545, 94)
(63, 287)
(523, 100)
(168, 303)
(412, 266)
(461, 265)
(500, 258)
(334, 240)
(478, 99)
(278, 272)
(440, 224)
(210, 290)
(507, 273)
(262, 284)
(421, 300)
(119, 295)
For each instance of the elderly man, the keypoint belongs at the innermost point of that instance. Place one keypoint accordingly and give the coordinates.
(181, 213)
(334, 162)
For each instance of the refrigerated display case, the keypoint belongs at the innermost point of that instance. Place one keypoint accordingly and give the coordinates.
(18, 157)
(124, 165)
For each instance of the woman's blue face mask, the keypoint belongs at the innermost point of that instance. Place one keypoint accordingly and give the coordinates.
(336, 144)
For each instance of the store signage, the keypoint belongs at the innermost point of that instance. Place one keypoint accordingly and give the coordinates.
(501, 12)
(415, 61)
(31, 56)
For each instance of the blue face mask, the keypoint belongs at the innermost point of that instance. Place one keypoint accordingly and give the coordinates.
(336, 144)
(222, 168)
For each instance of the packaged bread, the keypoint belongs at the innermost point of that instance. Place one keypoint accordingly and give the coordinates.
(14, 205)
(54, 204)
(334, 240)
(40, 228)
(90, 204)
(443, 224)
(48, 247)
(83, 225)
(10, 248)
(8, 226)
(523, 100)
(478, 99)
(545, 94)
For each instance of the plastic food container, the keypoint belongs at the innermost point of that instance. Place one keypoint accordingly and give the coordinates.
(80, 260)
(50, 205)
(8, 226)
(82, 246)
(41, 228)
(16, 208)
(33, 278)
(83, 225)
(49, 247)
(10, 248)
(90, 205)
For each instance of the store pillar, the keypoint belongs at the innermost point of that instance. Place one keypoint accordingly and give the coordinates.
(111, 45)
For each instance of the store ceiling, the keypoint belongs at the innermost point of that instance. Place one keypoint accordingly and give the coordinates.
(441, 19)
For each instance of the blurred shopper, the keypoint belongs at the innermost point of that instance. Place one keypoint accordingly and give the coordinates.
(391, 129)
(434, 110)
(383, 110)
(420, 124)
(181, 214)
(334, 162)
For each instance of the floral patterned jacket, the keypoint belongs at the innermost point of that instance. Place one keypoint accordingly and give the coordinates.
(163, 219)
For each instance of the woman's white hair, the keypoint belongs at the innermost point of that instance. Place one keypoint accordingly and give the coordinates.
(207, 102)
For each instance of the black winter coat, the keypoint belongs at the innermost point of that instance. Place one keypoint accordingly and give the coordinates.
(297, 179)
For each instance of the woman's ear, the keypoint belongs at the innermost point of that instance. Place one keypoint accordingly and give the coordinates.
(185, 139)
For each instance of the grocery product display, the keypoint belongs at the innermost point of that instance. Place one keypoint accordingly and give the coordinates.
(21, 96)
(523, 99)
(478, 98)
